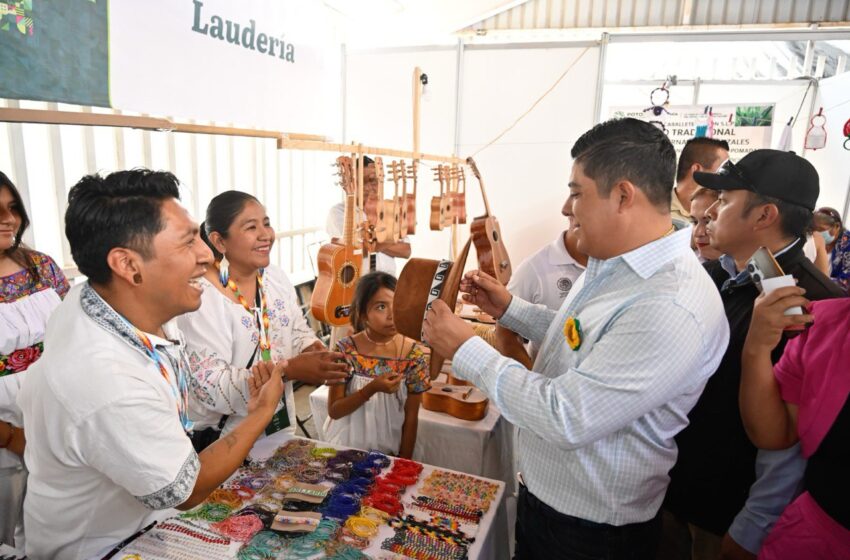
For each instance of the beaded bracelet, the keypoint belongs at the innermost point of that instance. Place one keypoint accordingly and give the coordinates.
(131, 557)
(323, 452)
(402, 479)
(284, 482)
(239, 528)
(362, 526)
(341, 551)
(208, 512)
(384, 502)
(351, 539)
(227, 497)
(376, 515)
(311, 475)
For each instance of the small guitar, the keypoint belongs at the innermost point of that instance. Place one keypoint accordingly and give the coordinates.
(459, 178)
(384, 207)
(339, 263)
(399, 202)
(466, 403)
(441, 206)
(410, 174)
(487, 236)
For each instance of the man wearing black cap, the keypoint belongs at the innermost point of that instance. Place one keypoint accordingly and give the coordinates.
(766, 200)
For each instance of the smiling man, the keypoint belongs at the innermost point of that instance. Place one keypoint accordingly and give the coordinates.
(621, 362)
(105, 409)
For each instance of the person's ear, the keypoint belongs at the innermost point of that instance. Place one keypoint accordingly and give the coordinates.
(767, 216)
(126, 264)
(218, 242)
(625, 193)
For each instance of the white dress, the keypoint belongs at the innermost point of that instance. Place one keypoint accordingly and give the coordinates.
(377, 423)
(222, 336)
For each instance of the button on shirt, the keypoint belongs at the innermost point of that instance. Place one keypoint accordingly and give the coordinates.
(597, 423)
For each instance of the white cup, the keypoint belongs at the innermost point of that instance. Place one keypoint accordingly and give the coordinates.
(787, 281)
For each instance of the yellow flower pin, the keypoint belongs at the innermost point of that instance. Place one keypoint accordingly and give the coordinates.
(572, 333)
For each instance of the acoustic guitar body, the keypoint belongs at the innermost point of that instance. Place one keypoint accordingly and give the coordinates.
(437, 211)
(449, 399)
(448, 212)
(460, 207)
(400, 218)
(492, 255)
(339, 270)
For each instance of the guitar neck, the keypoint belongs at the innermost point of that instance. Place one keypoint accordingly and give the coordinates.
(484, 196)
(348, 221)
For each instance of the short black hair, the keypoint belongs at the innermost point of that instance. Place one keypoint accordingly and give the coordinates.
(221, 212)
(366, 289)
(700, 150)
(628, 149)
(122, 209)
(794, 220)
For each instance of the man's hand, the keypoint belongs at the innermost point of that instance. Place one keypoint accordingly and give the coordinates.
(481, 289)
(444, 331)
(769, 319)
(317, 368)
(730, 550)
(315, 347)
(264, 396)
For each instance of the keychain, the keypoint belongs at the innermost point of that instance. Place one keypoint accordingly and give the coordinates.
(847, 134)
(816, 135)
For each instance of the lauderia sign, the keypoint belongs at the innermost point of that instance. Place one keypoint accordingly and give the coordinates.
(241, 34)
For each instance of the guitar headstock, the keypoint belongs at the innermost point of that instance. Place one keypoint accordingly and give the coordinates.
(397, 171)
(412, 171)
(345, 170)
(473, 167)
(379, 170)
(439, 174)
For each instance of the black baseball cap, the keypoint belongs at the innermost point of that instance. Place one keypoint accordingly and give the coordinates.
(782, 175)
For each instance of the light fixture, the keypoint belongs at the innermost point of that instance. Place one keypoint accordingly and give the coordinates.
(426, 91)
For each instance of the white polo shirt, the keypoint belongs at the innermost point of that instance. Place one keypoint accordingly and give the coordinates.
(105, 446)
(546, 277)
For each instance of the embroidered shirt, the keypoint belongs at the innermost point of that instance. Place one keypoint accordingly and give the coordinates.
(839, 260)
(596, 425)
(413, 366)
(105, 444)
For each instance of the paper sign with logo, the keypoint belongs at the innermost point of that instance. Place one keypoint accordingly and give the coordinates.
(745, 127)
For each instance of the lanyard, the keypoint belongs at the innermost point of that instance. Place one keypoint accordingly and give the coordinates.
(182, 384)
(261, 314)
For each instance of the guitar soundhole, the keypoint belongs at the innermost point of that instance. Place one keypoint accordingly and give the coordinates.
(347, 274)
(495, 236)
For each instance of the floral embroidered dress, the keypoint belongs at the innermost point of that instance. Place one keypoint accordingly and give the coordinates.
(221, 338)
(377, 424)
(839, 260)
(26, 304)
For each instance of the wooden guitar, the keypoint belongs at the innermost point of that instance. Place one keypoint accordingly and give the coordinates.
(487, 236)
(466, 403)
(399, 202)
(441, 206)
(460, 195)
(384, 208)
(410, 174)
(339, 263)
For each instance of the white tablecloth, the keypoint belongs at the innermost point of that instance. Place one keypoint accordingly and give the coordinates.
(483, 448)
(491, 541)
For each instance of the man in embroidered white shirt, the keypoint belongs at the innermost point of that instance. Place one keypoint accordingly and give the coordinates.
(598, 411)
(106, 410)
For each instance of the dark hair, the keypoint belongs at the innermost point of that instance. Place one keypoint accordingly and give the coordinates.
(794, 220)
(122, 209)
(367, 161)
(829, 215)
(221, 213)
(366, 289)
(17, 252)
(699, 150)
(628, 149)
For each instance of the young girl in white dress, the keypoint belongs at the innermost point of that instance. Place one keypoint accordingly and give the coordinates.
(378, 407)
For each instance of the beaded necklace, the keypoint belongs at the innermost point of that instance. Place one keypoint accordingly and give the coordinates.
(261, 314)
(182, 383)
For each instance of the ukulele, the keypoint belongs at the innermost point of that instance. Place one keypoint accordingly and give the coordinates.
(339, 263)
(441, 206)
(399, 202)
(466, 403)
(410, 173)
(384, 211)
(487, 236)
(460, 194)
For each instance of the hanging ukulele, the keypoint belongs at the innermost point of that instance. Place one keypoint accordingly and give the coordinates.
(460, 198)
(487, 236)
(816, 135)
(384, 215)
(339, 263)
(441, 206)
(398, 205)
(410, 174)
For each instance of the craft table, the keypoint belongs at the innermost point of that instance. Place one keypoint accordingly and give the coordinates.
(482, 448)
(491, 541)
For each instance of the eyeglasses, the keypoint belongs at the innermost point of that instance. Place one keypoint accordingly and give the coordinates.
(729, 168)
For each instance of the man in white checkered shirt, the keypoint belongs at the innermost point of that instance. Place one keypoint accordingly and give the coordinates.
(620, 364)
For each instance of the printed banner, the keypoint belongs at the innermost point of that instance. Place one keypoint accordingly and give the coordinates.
(745, 127)
(55, 50)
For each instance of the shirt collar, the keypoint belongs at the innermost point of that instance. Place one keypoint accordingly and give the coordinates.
(728, 263)
(648, 259)
(559, 255)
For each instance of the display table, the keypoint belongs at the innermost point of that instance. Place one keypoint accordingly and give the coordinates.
(483, 448)
(490, 541)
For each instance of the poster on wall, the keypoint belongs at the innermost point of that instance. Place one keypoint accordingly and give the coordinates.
(55, 51)
(745, 127)
(251, 63)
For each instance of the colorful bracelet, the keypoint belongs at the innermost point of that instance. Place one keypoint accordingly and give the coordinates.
(323, 452)
(362, 526)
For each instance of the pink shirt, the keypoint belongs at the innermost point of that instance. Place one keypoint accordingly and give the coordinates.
(814, 372)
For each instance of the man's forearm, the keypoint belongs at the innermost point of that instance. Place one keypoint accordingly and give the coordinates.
(399, 249)
(223, 457)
